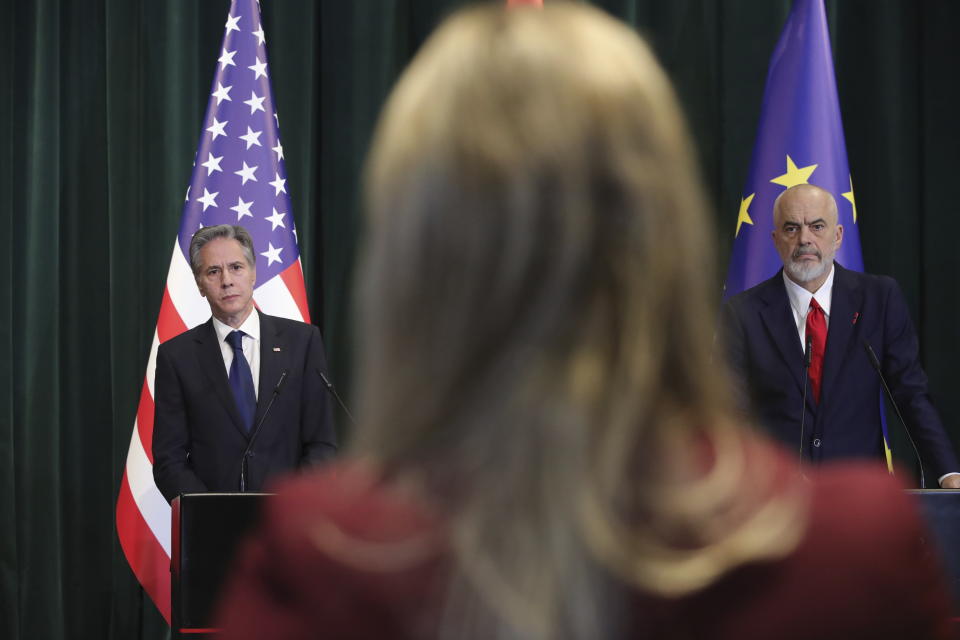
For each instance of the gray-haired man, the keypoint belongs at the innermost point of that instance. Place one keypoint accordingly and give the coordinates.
(214, 382)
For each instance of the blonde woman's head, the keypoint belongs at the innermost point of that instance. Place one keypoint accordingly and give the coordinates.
(534, 294)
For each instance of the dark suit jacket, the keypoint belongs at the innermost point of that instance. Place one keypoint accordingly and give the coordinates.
(198, 438)
(765, 352)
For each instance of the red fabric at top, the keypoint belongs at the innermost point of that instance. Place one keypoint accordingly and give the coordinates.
(341, 554)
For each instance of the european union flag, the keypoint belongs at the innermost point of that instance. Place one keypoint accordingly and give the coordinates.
(799, 140)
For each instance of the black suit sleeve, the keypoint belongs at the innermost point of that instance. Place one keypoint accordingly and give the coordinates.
(908, 383)
(172, 470)
(317, 433)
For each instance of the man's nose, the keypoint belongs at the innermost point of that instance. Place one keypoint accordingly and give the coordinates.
(226, 279)
(806, 236)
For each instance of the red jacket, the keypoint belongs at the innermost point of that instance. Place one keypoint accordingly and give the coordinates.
(341, 555)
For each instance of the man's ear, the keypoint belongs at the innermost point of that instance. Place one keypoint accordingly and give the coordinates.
(839, 235)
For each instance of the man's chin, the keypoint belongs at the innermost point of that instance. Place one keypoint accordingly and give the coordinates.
(232, 310)
(804, 273)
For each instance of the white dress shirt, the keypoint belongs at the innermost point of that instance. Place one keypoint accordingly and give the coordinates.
(250, 342)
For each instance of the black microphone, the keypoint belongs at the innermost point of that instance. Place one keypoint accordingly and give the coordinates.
(256, 431)
(876, 365)
(807, 358)
(333, 392)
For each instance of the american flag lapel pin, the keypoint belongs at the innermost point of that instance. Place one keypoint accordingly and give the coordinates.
(277, 349)
(856, 316)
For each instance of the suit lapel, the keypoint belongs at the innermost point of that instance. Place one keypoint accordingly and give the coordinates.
(211, 362)
(845, 304)
(778, 319)
(273, 361)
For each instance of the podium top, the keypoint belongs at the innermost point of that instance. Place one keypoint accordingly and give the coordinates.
(219, 495)
(933, 492)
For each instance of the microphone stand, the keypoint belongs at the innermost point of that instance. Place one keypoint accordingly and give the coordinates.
(807, 356)
(256, 432)
(872, 355)
(333, 392)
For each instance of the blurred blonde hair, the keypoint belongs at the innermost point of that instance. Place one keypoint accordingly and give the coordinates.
(536, 326)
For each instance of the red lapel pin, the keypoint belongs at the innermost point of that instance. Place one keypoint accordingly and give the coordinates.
(856, 316)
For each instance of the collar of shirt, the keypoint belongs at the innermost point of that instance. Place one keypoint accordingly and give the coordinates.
(250, 326)
(800, 301)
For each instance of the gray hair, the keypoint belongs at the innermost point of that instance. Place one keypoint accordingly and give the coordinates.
(228, 231)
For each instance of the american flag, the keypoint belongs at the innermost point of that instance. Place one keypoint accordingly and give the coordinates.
(238, 178)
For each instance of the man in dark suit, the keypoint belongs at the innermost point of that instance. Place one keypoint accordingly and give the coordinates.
(767, 328)
(214, 382)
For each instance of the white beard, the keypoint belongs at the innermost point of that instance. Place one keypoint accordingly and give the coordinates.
(805, 272)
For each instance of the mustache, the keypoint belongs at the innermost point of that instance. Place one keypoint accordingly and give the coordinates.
(807, 251)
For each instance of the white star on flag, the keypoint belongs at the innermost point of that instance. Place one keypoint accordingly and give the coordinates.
(278, 184)
(222, 93)
(217, 128)
(252, 138)
(242, 208)
(260, 69)
(226, 59)
(232, 23)
(208, 199)
(259, 34)
(246, 173)
(255, 102)
(272, 254)
(212, 164)
(276, 220)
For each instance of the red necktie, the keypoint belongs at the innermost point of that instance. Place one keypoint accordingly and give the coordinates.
(817, 334)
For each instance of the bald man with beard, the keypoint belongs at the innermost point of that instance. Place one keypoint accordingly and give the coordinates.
(766, 330)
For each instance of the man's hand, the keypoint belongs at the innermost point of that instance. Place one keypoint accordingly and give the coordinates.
(952, 481)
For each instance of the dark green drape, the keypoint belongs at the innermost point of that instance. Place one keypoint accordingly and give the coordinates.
(100, 114)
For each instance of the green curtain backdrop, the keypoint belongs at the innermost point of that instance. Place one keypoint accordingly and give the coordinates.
(100, 114)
